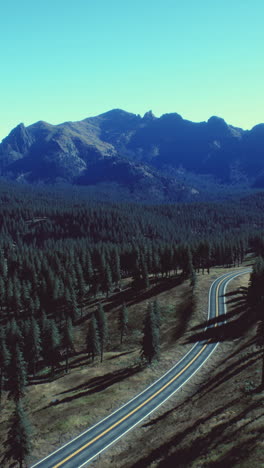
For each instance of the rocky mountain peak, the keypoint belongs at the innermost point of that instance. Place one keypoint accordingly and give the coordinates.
(149, 116)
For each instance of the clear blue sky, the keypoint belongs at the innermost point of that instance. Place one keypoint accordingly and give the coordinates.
(67, 60)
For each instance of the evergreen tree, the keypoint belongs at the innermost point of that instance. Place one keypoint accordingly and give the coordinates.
(17, 375)
(144, 272)
(255, 295)
(136, 270)
(193, 279)
(115, 267)
(51, 350)
(93, 340)
(32, 346)
(14, 336)
(156, 264)
(156, 310)
(123, 322)
(81, 286)
(102, 328)
(18, 444)
(255, 300)
(43, 324)
(2, 293)
(4, 360)
(88, 272)
(67, 340)
(150, 342)
(188, 265)
(260, 343)
(106, 280)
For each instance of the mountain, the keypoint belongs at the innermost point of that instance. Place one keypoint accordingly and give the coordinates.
(160, 159)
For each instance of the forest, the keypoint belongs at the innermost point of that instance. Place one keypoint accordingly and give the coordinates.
(60, 249)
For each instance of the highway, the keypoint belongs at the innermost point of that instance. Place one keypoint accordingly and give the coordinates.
(80, 451)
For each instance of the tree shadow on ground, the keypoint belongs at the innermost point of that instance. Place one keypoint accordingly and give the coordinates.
(184, 312)
(196, 440)
(221, 377)
(119, 355)
(96, 384)
(229, 326)
(131, 296)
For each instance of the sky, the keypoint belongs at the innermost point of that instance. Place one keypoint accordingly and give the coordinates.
(64, 60)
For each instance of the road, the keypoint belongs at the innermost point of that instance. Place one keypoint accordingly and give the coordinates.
(80, 451)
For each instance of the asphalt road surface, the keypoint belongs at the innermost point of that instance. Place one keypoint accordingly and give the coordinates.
(80, 451)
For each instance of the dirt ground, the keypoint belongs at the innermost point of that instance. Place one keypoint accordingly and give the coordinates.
(217, 418)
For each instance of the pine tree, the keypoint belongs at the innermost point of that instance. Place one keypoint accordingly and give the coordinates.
(32, 347)
(188, 266)
(123, 322)
(260, 344)
(255, 296)
(93, 340)
(156, 264)
(193, 279)
(255, 300)
(102, 328)
(2, 293)
(106, 280)
(18, 444)
(144, 273)
(88, 273)
(17, 375)
(81, 287)
(4, 360)
(14, 336)
(67, 341)
(52, 341)
(157, 315)
(43, 324)
(150, 342)
(115, 267)
(73, 304)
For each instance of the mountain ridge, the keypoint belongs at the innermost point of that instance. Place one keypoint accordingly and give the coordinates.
(148, 154)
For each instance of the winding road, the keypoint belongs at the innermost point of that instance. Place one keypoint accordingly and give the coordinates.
(80, 451)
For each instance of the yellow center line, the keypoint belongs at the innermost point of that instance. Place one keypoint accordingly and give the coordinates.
(117, 423)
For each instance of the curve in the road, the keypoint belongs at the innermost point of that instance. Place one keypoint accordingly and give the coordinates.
(83, 449)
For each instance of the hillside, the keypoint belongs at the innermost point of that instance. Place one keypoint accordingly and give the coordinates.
(121, 155)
